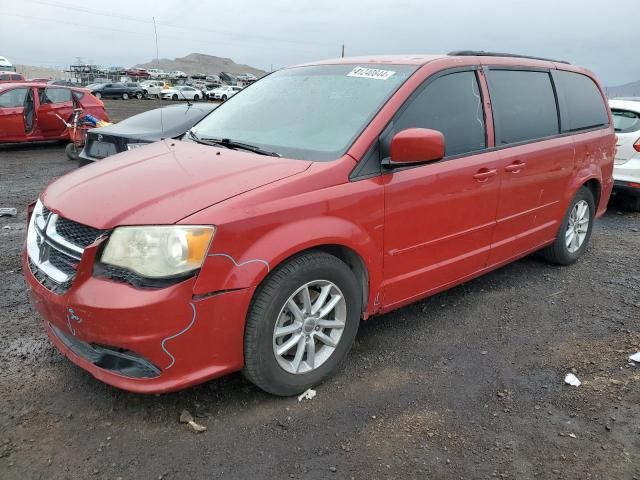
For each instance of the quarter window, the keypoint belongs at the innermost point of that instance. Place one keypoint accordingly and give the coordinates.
(13, 98)
(524, 105)
(452, 105)
(581, 103)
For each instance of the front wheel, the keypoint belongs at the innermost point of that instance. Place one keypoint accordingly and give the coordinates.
(575, 230)
(174, 97)
(125, 96)
(196, 98)
(98, 95)
(139, 95)
(224, 98)
(301, 324)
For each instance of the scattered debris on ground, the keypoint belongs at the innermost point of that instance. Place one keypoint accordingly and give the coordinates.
(186, 417)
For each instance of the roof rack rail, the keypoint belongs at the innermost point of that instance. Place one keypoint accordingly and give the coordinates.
(482, 53)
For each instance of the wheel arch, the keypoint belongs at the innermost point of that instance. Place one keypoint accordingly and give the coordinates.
(249, 265)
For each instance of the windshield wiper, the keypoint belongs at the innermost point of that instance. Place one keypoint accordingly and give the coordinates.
(225, 142)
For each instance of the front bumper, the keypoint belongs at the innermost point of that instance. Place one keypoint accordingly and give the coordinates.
(145, 341)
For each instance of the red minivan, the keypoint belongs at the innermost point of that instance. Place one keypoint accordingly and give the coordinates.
(262, 239)
(31, 111)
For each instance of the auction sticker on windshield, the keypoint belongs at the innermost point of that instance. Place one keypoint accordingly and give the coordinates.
(363, 72)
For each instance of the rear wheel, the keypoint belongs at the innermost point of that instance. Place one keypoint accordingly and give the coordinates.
(98, 95)
(139, 95)
(72, 151)
(125, 96)
(575, 230)
(301, 324)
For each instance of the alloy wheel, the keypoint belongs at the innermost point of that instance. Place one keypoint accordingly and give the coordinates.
(309, 327)
(577, 226)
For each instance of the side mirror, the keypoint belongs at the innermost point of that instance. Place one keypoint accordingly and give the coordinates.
(416, 145)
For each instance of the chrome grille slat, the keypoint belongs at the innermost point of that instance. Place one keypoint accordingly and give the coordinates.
(54, 254)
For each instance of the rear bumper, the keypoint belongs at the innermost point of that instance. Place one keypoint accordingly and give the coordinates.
(626, 187)
(145, 341)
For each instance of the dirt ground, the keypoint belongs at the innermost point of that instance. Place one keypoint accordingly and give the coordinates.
(466, 384)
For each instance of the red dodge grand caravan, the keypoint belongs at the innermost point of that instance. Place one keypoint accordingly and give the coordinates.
(260, 240)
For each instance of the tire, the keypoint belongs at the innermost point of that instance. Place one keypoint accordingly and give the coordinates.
(263, 366)
(139, 95)
(196, 98)
(125, 96)
(224, 98)
(98, 95)
(174, 97)
(559, 252)
(72, 151)
(82, 162)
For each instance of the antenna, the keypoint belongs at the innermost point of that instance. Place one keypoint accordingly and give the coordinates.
(343, 50)
(155, 31)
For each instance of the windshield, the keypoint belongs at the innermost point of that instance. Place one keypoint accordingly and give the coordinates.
(310, 113)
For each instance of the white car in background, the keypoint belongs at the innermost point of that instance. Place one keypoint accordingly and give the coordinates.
(223, 93)
(626, 169)
(153, 87)
(177, 74)
(183, 92)
(156, 73)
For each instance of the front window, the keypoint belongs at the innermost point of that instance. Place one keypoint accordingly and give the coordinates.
(311, 113)
(13, 98)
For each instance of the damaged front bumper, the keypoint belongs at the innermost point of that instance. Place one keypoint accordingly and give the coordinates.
(143, 340)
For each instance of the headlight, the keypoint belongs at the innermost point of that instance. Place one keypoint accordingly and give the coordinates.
(131, 146)
(158, 251)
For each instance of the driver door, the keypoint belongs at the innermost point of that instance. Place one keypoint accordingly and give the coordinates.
(439, 217)
(12, 109)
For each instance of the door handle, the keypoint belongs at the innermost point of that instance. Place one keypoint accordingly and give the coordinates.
(485, 174)
(515, 167)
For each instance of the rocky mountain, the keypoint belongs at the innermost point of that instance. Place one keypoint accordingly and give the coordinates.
(627, 90)
(201, 63)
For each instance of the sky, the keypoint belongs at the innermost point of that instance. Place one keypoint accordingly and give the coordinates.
(277, 33)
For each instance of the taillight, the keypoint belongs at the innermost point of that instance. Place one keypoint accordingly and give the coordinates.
(636, 146)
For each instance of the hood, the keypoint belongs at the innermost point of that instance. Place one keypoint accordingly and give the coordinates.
(159, 123)
(161, 183)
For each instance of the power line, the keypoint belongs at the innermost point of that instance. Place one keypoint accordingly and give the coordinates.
(94, 11)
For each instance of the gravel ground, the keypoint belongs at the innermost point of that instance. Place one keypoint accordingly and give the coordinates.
(466, 384)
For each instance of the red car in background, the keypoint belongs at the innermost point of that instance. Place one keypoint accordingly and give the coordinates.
(11, 77)
(138, 72)
(29, 111)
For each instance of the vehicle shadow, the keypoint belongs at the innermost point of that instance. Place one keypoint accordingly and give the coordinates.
(16, 147)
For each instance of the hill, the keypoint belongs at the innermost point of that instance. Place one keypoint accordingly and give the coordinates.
(201, 63)
(627, 90)
(30, 71)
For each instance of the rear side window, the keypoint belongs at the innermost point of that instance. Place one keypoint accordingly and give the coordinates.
(581, 104)
(524, 105)
(452, 105)
(625, 121)
(58, 95)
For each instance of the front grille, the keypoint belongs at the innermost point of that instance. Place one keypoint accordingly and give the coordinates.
(55, 246)
(47, 282)
(63, 262)
(76, 233)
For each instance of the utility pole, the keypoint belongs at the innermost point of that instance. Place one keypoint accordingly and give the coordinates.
(343, 50)
(155, 31)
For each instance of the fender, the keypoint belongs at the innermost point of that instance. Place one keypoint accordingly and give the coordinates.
(233, 268)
